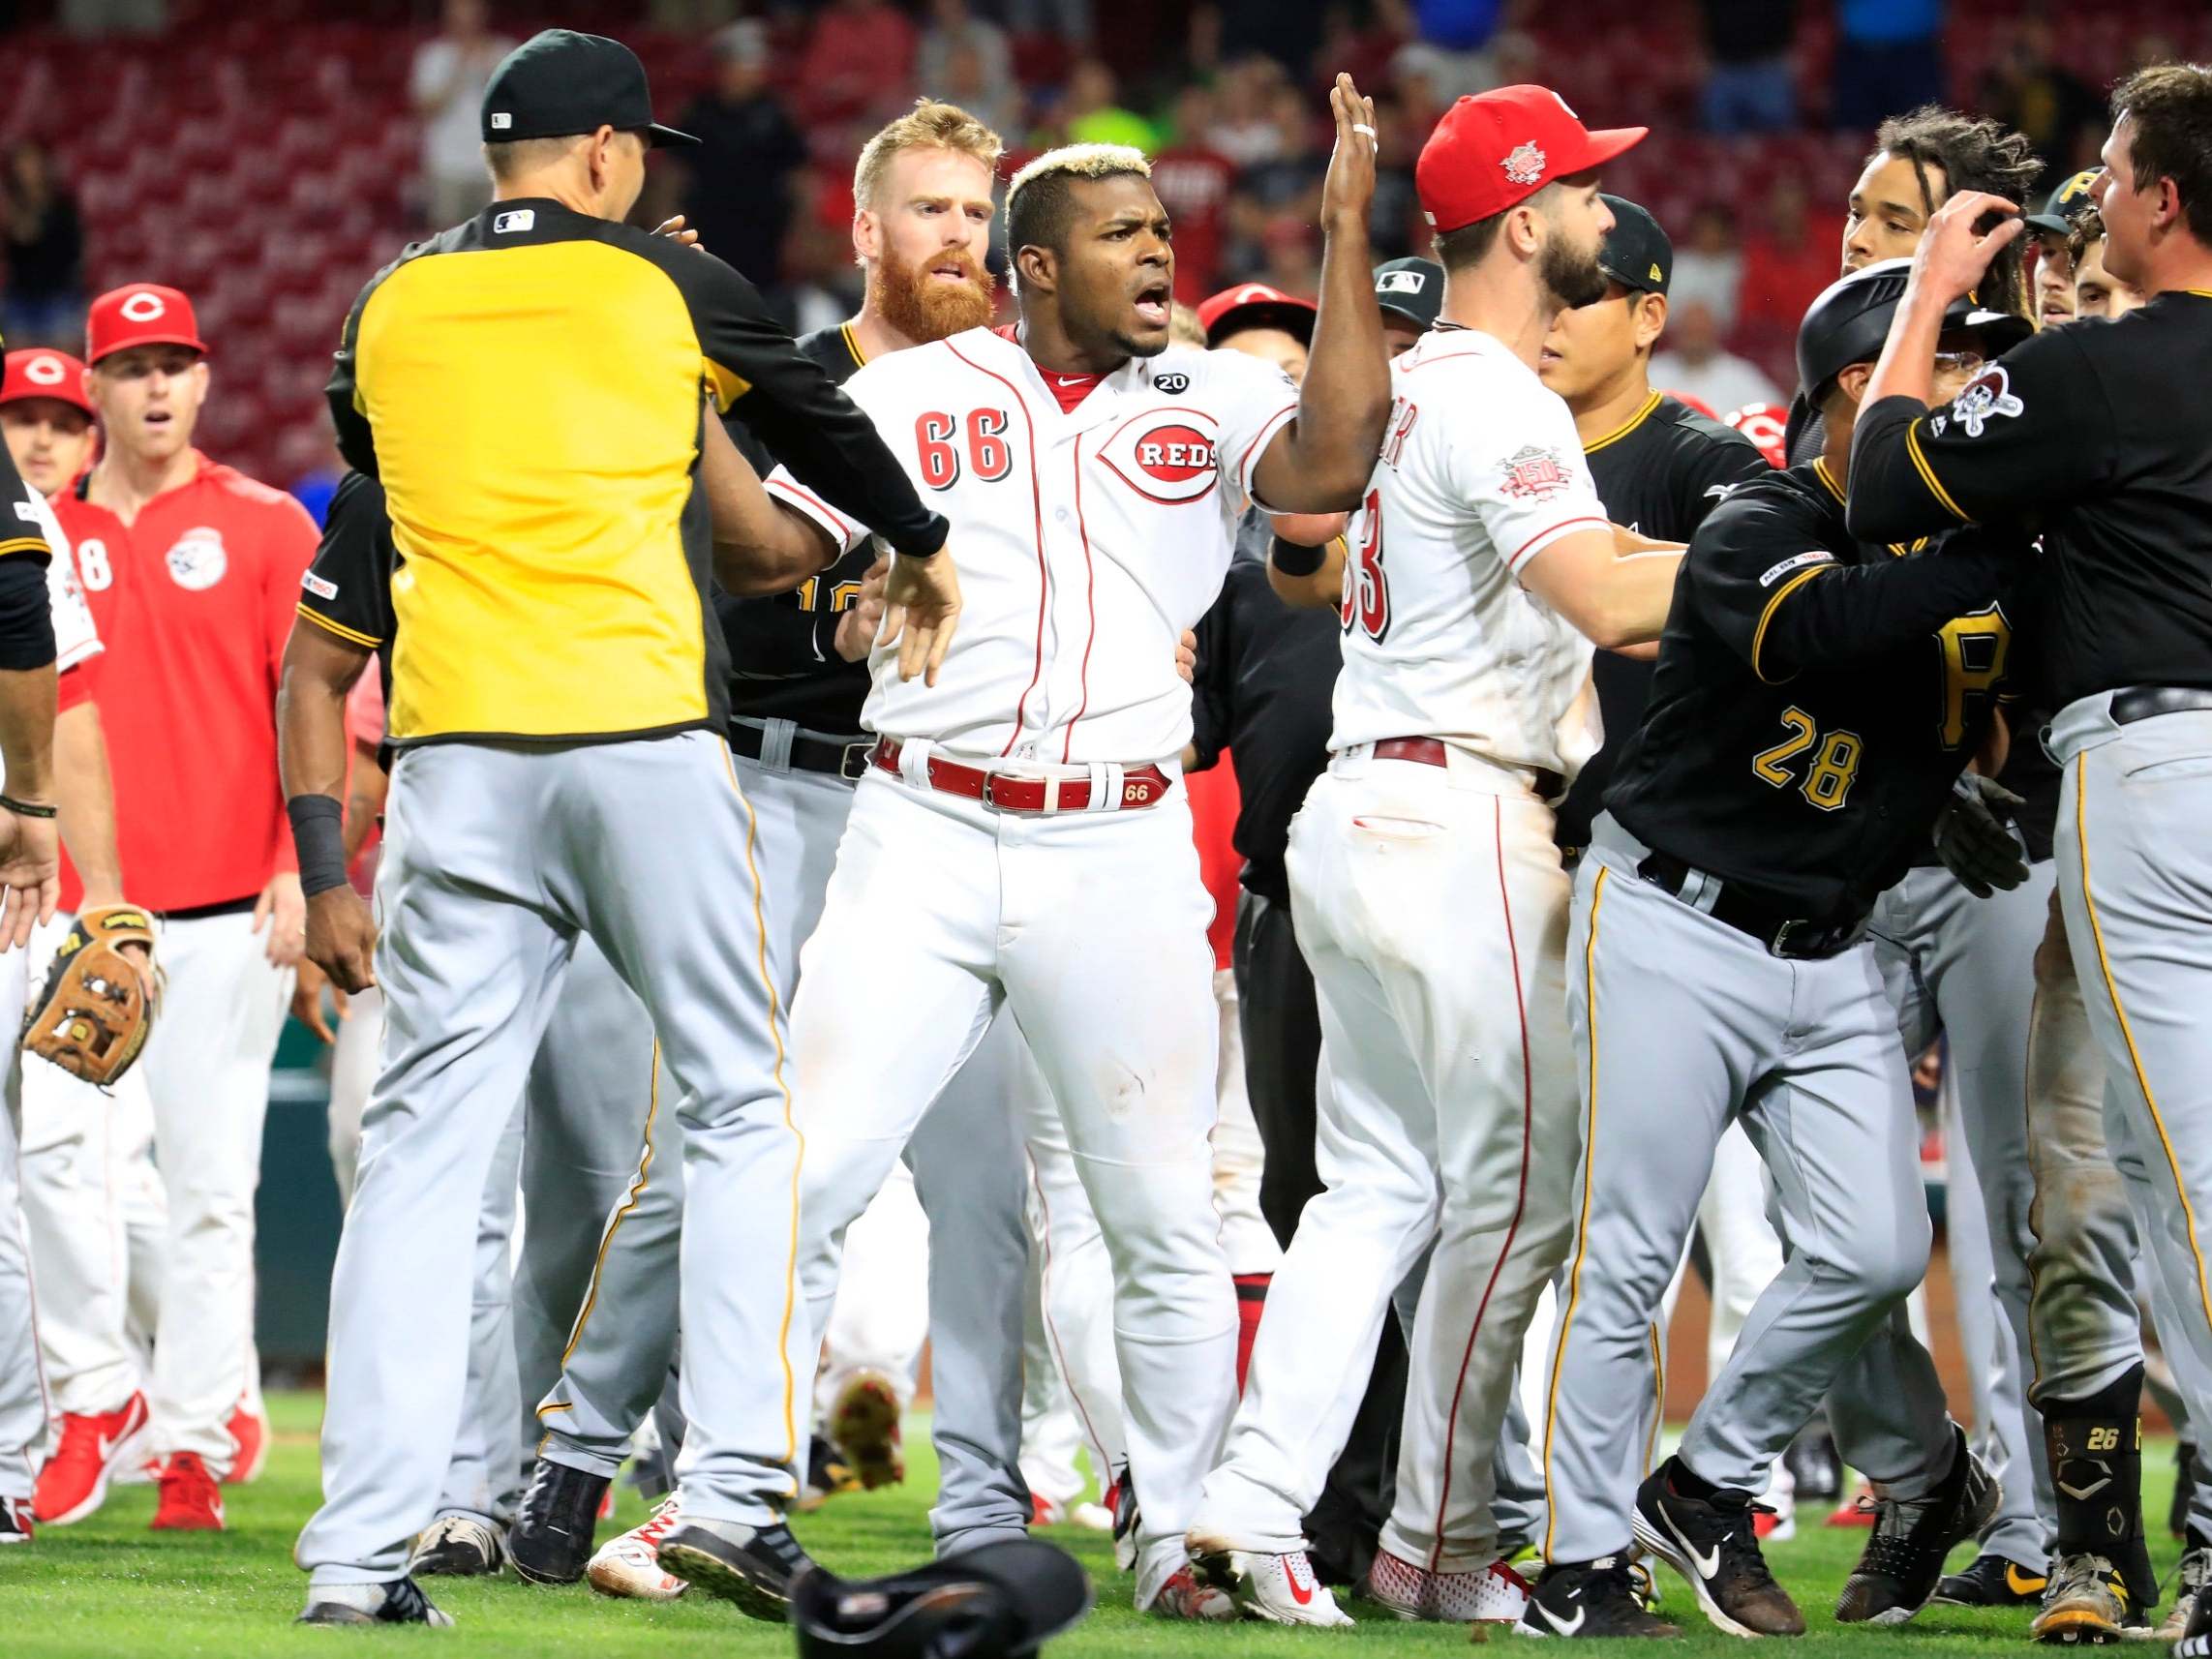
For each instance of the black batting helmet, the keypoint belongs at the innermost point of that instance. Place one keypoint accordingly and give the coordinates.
(1850, 321)
(1000, 1601)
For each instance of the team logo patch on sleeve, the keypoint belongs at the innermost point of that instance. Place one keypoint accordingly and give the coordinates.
(26, 512)
(1774, 573)
(1535, 474)
(322, 586)
(1989, 397)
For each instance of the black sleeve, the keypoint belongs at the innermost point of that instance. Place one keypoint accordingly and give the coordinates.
(1781, 601)
(356, 441)
(26, 605)
(1212, 682)
(347, 587)
(1711, 467)
(20, 531)
(788, 401)
(2031, 431)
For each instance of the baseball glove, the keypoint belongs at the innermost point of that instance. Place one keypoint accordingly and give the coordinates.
(97, 1005)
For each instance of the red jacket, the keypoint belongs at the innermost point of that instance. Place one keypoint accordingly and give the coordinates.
(193, 602)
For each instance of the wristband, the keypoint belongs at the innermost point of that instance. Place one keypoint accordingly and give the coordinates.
(26, 808)
(1293, 559)
(318, 836)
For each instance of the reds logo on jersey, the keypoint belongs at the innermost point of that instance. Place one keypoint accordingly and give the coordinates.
(1534, 474)
(198, 560)
(1166, 454)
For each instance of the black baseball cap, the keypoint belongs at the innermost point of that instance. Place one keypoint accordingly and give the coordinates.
(1003, 1601)
(1413, 288)
(2065, 204)
(559, 83)
(1637, 253)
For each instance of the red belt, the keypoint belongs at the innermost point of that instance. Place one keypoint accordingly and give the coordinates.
(1431, 752)
(1006, 792)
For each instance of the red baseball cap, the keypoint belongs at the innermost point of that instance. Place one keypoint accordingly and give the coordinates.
(38, 372)
(1269, 307)
(1492, 151)
(140, 314)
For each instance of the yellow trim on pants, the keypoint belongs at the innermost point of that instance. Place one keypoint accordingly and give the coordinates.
(2126, 1031)
(1582, 1227)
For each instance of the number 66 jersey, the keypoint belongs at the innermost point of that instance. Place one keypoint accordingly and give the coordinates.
(1816, 695)
(1480, 472)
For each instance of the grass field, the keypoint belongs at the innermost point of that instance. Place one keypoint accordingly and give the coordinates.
(108, 1586)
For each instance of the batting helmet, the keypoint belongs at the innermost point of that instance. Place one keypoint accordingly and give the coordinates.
(1000, 1601)
(1850, 321)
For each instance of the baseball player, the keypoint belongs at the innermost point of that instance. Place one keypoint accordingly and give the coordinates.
(1800, 739)
(1485, 564)
(2052, 229)
(2096, 292)
(2125, 658)
(566, 607)
(190, 569)
(1028, 807)
(30, 885)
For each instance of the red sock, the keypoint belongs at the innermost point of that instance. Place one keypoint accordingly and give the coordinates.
(1251, 1303)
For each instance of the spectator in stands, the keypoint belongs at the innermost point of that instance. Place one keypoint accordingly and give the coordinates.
(966, 60)
(1091, 113)
(1696, 364)
(1748, 87)
(1888, 58)
(857, 49)
(446, 84)
(1788, 259)
(1193, 180)
(1454, 50)
(2029, 92)
(1070, 19)
(1709, 264)
(1290, 180)
(1292, 261)
(43, 298)
(739, 197)
(1244, 127)
(1395, 226)
(1362, 43)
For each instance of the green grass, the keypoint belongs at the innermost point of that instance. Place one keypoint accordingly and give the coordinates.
(108, 1586)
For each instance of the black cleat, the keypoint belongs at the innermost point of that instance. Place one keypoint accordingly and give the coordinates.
(750, 1566)
(1121, 1498)
(402, 1603)
(1993, 1581)
(1813, 1460)
(1714, 1543)
(1588, 1598)
(1902, 1562)
(2196, 1640)
(550, 1540)
(457, 1546)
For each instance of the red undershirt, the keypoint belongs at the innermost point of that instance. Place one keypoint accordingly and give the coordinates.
(1068, 389)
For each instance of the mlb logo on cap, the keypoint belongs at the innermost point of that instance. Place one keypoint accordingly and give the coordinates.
(42, 373)
(140, 314)
(1492, 152)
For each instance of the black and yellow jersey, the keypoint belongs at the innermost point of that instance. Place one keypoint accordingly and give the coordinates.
(19, 529)
(527, 389)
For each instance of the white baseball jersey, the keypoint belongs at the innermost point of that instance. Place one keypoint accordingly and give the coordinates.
(1086, 541)
(1481, 470)
(74, 637)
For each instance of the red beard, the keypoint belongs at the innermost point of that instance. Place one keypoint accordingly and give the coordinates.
(913, 301)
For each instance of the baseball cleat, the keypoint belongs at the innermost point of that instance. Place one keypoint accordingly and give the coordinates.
(190, 1500)
(1902, 1562)
(629, 1566)
(14, 1520)
(551, 1538)
(2197, 1638)
(749, 1566)
(2196, 1570)
(1588, 1598)
(457, 1546)
(1991, 1581)
(400, 1601)
(2086, 1605)
(249, 1445)
(1121, 1498)
(1496, 1595)
(1857, 1510)
(1090, 1517)
(1714, 1543)
(863, 1424)
(1184, 1597)
(94, 1449)
(1281, 1589)
(828, 1474)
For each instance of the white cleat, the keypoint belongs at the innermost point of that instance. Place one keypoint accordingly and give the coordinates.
(1281, 1589)
(1496, 1595)
(629, 1566)
(1183, 1597)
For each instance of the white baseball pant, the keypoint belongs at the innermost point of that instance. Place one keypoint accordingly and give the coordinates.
(23, 1403)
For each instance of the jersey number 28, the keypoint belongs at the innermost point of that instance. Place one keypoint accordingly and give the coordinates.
(1366, 589)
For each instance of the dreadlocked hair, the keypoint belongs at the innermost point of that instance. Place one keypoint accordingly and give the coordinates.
(1973, 153)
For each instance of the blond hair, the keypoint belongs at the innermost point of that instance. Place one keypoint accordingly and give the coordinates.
(929, 126)
(1037, 203)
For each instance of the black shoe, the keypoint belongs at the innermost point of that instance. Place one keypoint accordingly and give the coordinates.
(1993, 1581)
(1714, 1544)
(1587, 1598)
(1903, 1559)
(457, 1546)
(2197, 1641)
(404, 1603)
(753, 1568)
(2184, 1488)
(14, 1520)
(827, 1475)
(550, 1540)
(1812, 1460)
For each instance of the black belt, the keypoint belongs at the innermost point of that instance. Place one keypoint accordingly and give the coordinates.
(824, 755)
(201, 912)
(2142, 702)
(1788, 936)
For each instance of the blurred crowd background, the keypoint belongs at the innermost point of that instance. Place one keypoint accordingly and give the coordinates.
(267, 156)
